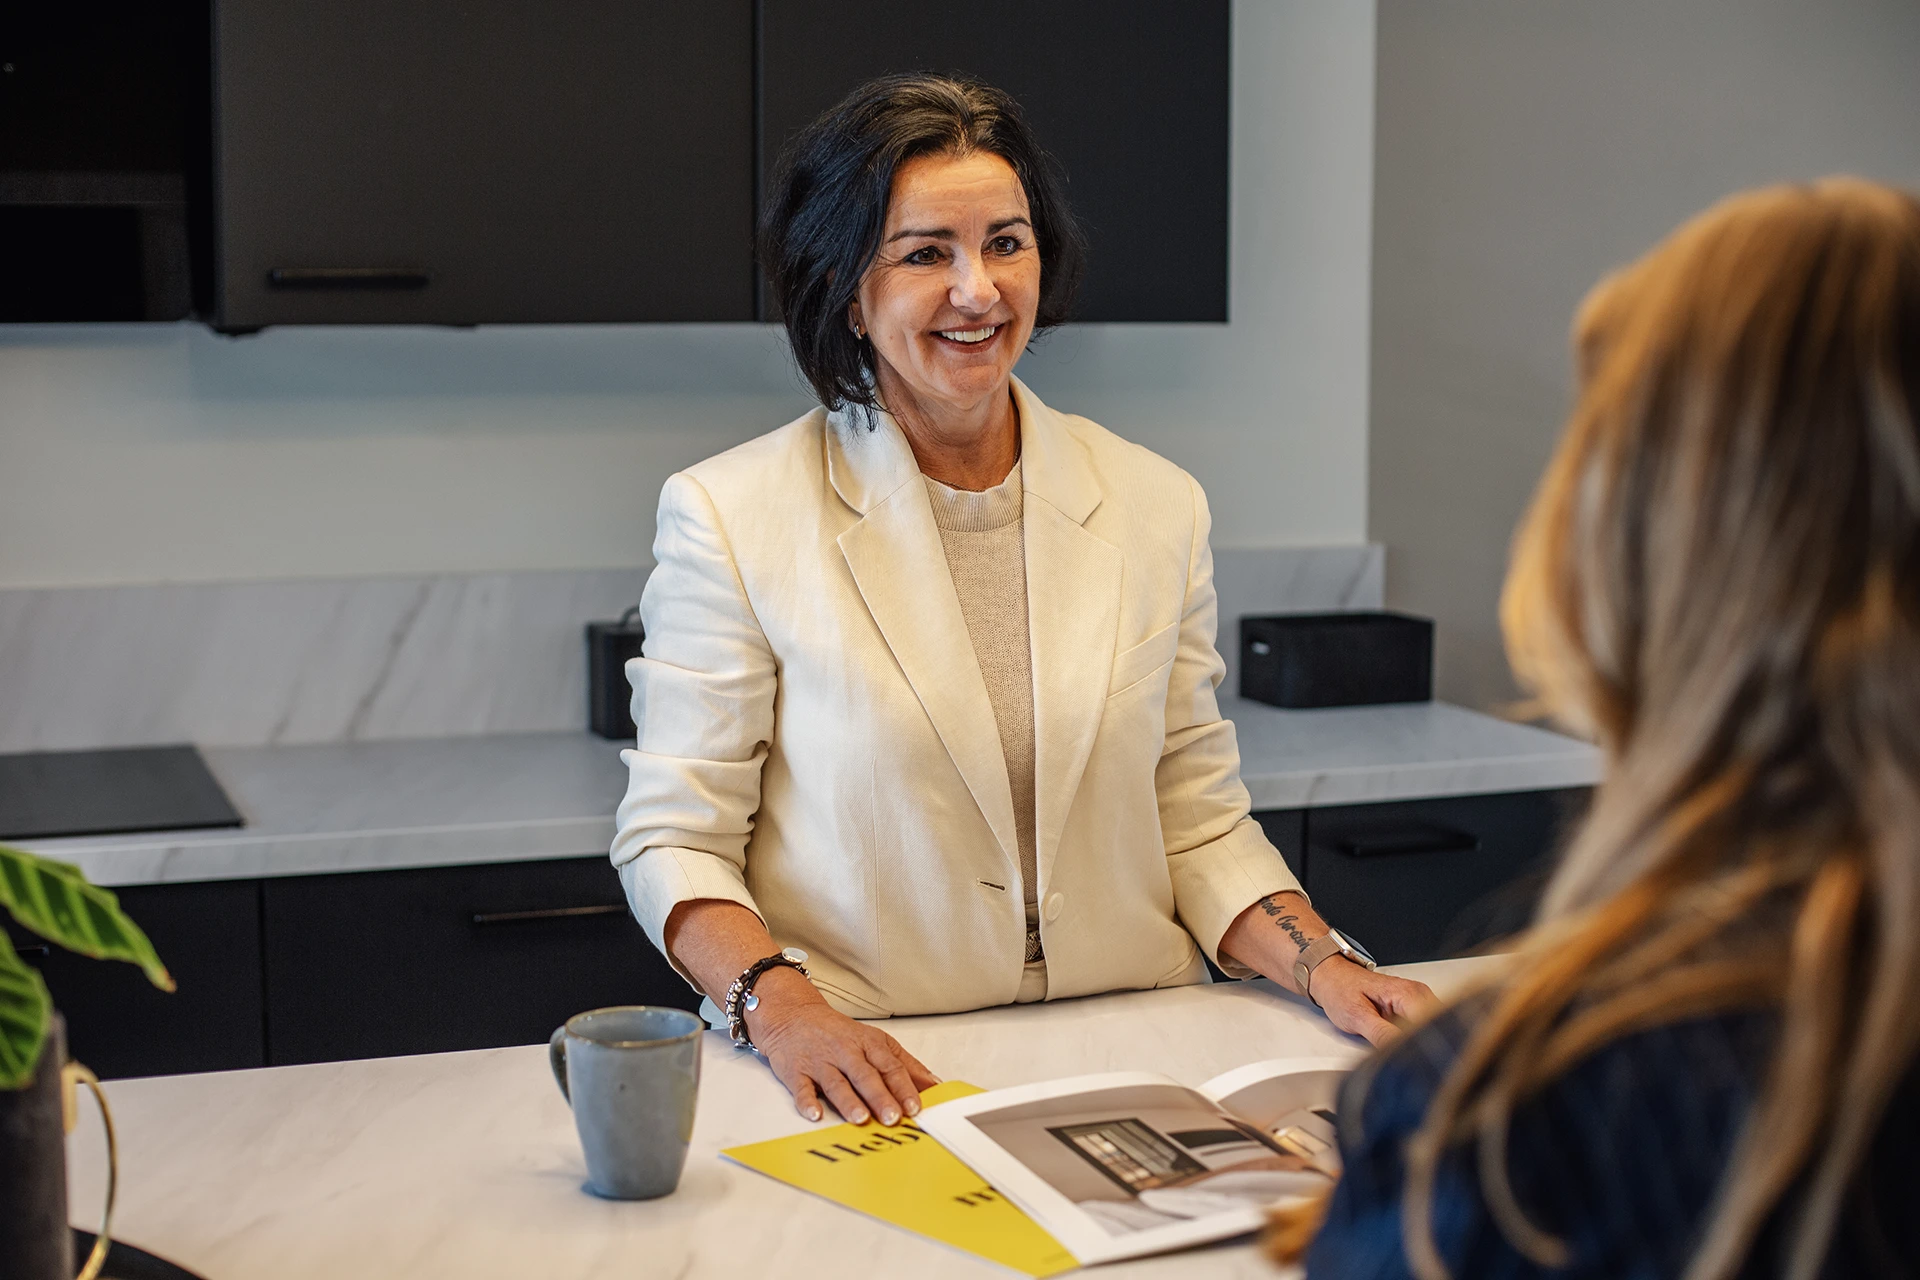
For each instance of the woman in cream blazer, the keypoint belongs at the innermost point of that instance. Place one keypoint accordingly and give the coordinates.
(827, 762)
(816, 744)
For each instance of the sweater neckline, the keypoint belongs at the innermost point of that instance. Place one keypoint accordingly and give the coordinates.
(976, 511)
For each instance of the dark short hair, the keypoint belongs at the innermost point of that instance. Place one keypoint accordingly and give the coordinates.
(823, 220)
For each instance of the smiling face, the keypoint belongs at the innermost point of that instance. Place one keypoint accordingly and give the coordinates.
(949, 301)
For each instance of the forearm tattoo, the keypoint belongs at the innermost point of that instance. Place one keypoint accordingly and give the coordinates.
(1286, 920)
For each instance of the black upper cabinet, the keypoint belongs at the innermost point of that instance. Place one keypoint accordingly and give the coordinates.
(261, 162)
(102, 114)
(482, 161)
(1132, 96)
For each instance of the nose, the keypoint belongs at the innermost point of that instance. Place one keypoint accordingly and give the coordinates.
(972, 289)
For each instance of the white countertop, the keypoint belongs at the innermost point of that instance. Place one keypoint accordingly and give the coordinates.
(466, 1164)
(1406, 751)
(508, 798)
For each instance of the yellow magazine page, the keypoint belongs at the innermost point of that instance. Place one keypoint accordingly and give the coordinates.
(899, 1174)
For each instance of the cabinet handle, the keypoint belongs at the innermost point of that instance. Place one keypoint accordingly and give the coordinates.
(348, 278)
(1411, 840)
(548, 913)
(40, 951)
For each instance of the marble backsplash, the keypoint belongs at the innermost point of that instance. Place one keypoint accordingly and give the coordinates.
(445, 655)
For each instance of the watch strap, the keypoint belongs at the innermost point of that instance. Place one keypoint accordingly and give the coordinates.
(1326, 946)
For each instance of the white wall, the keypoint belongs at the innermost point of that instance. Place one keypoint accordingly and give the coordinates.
(1523, 148)
(134, 454)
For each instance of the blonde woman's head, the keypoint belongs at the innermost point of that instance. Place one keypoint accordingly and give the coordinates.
(1719, 580)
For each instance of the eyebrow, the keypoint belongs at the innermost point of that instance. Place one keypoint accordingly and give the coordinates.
(946, 233)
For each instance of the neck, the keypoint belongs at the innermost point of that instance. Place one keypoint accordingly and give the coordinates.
(966, 447)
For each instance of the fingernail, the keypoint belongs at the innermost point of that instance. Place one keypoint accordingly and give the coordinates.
(913, 1106)
(858, 1116)
(813, 1113)
(889, 1116)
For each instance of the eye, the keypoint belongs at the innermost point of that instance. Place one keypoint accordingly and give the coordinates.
(1006, 246)
(922, 257)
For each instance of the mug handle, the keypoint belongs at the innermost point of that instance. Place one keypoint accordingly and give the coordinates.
(557, 1059)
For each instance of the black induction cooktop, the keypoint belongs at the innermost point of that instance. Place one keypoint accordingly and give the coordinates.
(109, 792)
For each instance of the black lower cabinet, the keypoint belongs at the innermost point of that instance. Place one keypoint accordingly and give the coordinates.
(1427, 879)
(392, 962)
(208, 936)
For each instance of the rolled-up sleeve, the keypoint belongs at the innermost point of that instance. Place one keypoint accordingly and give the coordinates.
(1220, 861)
(703, 700)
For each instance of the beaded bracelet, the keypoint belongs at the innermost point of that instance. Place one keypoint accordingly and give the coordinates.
(740, 998)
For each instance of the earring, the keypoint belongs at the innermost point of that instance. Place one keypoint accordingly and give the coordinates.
(859, 330)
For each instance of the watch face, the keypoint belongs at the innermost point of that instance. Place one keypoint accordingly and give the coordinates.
(1348, 945)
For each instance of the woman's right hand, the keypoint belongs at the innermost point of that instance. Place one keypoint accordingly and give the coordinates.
(818, 1052)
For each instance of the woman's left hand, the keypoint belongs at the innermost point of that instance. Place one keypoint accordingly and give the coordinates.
(1368, 1003)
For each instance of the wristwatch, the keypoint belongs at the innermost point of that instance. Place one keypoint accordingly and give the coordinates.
(740, 999)
(1331, 943)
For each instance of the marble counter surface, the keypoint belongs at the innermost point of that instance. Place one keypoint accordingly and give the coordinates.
(466, 1164)
(1407, 751)
(364, 806)
(513, 797)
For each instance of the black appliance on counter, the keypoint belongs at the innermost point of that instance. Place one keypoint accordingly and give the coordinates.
(609, 697)
(1352, 659)
(44, 794)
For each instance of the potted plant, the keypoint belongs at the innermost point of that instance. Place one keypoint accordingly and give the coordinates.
(53, 900)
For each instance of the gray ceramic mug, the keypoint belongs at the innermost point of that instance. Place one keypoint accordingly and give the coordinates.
(631, 1074)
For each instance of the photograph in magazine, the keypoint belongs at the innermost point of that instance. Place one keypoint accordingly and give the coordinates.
(1138, 1156)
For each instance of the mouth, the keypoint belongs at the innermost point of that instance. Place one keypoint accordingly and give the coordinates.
(969, 339)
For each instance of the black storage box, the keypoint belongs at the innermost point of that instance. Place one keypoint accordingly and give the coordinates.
(609, 696)
(1336, 659)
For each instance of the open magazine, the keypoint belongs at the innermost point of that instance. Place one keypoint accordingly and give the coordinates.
(1125, 1164)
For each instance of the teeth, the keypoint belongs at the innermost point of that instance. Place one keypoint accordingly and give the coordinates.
(968, 335)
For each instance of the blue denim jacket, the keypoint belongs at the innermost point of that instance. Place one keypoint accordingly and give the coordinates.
(1620, 1159)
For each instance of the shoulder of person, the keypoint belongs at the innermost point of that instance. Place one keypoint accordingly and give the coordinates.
(763, 466)
(1142, 489)
(1111, 452)
(1708, 1061)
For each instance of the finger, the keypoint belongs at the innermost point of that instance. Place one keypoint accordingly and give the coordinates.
(1361, 1018)
(878, 1097)
(893, 1071)
(806, 1099)
(1403, 998)
(922, 1078)
(842, 1096)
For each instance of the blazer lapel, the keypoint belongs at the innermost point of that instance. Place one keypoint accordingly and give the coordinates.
(899, 565)
(1073, 613)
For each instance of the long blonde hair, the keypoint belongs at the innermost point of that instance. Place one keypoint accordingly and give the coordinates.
(1719, 580)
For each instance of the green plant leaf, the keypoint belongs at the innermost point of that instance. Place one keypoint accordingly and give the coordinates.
(55, 901)
(24, 1007)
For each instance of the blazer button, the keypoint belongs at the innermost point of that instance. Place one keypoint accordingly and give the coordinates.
(1055, 901)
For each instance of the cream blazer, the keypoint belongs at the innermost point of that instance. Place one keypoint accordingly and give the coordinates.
(815, 741)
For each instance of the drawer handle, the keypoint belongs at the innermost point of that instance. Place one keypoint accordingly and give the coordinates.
(1414, 840)
(548, 913)
(39, 951)
(348, 278)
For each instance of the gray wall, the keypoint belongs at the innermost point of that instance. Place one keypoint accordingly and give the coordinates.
(1523, 147)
